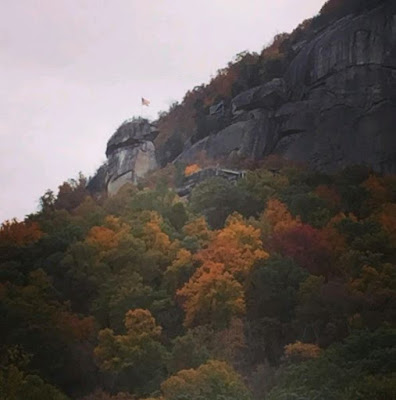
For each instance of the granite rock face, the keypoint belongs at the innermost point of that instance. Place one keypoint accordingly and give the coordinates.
(130, 153)
(335, 106)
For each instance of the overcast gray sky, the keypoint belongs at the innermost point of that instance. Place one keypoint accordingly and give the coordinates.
(71, 71)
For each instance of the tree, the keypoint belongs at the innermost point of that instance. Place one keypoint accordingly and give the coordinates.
(237, 246)
(154, 237)
(177, 216)
(359, 368)
(216, 198)
(277, 218)
(138, 354)
(211, 381)
(272, 287)
(16, 384)
(71, 193)
(190, 350)
(180, 271)
(271, 292)
(298, 351)
(198, 231)
(211, 296)
(19, 233)
(191, 169)
(307, 247)
(108, 236)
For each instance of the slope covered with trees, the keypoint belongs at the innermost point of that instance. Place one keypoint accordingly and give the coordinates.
(282, 286)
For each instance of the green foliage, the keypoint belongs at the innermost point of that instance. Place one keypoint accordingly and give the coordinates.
(136, 354)
(212, 381)
(16, 385)
(276, 295)
(272, 288)
(341, 372)
(189, 351)
(216, 198)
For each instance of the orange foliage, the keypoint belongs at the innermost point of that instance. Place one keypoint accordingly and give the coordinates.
(103, 237)
(19, 233)
(299, 351)
(191, 169)
(211, 296)
(332, 236)
(237, 246)
(278, 217)
(107, 237)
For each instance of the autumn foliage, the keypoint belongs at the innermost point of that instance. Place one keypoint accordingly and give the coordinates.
(19, 233)
(191, 169)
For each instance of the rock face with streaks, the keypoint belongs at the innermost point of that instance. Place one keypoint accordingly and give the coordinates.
(335, 106)
(130, 153)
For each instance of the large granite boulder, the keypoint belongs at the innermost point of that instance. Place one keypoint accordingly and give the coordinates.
(131, 153)
(346, 77)
(245, 139)
(268, 96)
(336, 105)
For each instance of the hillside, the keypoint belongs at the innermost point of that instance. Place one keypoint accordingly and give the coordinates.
(280, 285)
(191, 268)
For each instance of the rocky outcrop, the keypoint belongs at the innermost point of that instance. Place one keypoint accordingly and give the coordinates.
(335, 106)
(130, 153)
(268, 96)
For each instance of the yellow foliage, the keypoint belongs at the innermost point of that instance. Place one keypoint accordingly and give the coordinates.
(213, 380)
(212, 295)
(299, 351)
(115, 352)
(153, 235)
(141, 323)
(199, 229)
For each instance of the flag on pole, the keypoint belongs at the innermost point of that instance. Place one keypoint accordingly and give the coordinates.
(145, 102)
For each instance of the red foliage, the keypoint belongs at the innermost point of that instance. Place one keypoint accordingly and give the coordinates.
(329, 195)
(74, 327)
(306, 245)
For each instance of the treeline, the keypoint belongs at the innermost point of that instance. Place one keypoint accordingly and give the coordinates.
(282, 286)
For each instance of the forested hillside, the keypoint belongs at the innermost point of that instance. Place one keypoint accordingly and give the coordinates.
(281, 286)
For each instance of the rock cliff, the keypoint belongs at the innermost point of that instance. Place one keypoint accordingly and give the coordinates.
(335, 105)
(130, 153)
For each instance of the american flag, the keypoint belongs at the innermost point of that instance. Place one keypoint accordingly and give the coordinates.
(145, 102)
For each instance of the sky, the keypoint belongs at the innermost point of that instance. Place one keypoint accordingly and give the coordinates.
(71, 71)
